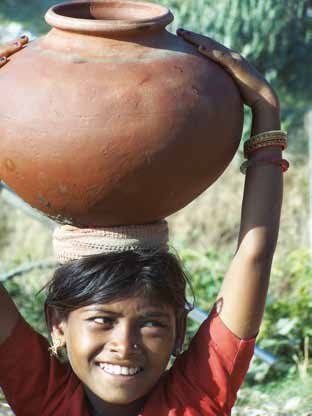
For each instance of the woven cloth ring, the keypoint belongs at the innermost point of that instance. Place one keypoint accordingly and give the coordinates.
(72, 243)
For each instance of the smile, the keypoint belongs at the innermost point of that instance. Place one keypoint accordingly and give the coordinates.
(119, 370)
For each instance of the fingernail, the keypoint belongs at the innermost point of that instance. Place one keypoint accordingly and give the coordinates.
(182, 32)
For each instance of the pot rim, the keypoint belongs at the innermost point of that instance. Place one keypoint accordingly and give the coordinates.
(161, 17)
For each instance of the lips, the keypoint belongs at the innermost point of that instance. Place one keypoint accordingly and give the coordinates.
(115, 369)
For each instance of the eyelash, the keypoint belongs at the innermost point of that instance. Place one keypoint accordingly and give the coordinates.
(156, 323)
(109, 321)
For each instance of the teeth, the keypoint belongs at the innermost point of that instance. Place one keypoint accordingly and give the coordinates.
(118, 370)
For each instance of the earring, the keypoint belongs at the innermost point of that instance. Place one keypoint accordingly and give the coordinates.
(54, 349)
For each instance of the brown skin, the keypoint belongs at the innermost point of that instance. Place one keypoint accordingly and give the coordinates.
(107, 334)
(242, 297)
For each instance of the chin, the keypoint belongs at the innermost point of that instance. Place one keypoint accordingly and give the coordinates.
(119, 399)
(124, 398)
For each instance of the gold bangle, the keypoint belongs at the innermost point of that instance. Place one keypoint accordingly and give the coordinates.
(267, 139)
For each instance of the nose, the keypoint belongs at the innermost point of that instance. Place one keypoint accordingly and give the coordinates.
(124, 341)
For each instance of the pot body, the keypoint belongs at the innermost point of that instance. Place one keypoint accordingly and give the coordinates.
(121, 127)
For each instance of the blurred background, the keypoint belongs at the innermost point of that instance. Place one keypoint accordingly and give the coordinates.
(276, 36)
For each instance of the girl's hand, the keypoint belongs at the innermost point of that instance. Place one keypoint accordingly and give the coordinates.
(10, 48)
(256, 92)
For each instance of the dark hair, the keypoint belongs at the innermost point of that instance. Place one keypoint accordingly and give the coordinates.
(104, 278)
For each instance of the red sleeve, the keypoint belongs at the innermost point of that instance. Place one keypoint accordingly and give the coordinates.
(27, 373)
(210, 373)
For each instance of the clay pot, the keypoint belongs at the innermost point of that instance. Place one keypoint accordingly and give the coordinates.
(110, 119)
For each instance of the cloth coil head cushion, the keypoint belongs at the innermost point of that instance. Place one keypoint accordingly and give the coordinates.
(72, 243)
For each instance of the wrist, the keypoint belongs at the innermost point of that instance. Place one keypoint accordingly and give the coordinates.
(271, 152)
(265, 119)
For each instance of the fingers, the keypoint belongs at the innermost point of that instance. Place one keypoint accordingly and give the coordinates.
(191, 37)
(200, 40)
(212, 49)
(24, 39)
(3, 61)
(9, 49)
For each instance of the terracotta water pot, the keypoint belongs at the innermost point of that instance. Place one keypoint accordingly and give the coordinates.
(110, 119)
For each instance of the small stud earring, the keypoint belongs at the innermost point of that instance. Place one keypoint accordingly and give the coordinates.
(54, 349)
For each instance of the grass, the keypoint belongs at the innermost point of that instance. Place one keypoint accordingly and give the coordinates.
(292, 396)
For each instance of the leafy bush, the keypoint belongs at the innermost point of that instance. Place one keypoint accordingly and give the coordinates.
(287, 323)
(206, 271)
(287, 327)
(29, 302)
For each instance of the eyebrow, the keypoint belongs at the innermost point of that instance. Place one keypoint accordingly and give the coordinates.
(156, 315)
(100, 309)
(148, 314)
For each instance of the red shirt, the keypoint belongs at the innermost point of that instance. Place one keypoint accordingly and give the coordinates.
(203, 381)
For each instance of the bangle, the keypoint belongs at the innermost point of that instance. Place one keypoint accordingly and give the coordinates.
(281, 163)
(274, 138)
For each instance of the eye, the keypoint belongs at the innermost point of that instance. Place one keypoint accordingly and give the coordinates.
(154, 324)
(102, 320)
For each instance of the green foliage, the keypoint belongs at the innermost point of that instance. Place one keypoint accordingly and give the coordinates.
(29, 302)
(275, 36)
(206, 272)
(288, 317)
(30, 13)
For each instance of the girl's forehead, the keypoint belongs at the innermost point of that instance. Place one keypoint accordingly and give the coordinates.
(138, 305)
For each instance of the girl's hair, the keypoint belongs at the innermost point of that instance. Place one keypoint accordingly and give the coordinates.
(105, 278)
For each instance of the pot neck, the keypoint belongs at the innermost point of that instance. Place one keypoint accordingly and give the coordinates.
(108, 18)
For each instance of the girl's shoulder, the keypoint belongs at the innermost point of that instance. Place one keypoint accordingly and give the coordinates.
(205, 378)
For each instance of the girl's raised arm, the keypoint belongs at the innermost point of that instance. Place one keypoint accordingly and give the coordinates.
(8, 311)
(242, 297)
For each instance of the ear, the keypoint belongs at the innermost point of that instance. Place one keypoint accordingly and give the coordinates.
(56, 325)
(181, 319)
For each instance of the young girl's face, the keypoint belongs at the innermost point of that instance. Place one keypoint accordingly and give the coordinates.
(119, 350)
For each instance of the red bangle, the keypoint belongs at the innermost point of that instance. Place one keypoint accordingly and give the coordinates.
(282, 163)
(261, 146)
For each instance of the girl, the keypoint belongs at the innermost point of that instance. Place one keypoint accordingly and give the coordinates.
(120, 316)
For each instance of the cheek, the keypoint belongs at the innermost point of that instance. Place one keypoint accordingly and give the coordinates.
(81, 344)
(159, 348)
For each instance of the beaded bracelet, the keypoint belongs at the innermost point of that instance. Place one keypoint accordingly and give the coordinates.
(274, 138)
(282, 163)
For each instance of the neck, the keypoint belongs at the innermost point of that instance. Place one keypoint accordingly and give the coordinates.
(99, 407)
